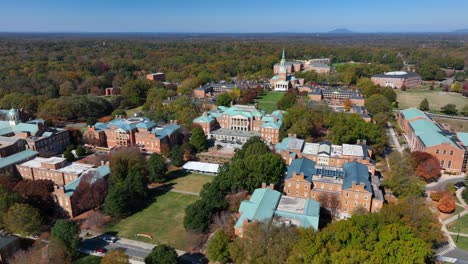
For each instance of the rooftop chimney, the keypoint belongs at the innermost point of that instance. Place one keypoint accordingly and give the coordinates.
(272, 186)
(263, 185)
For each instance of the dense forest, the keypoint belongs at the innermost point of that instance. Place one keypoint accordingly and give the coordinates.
(36, 70)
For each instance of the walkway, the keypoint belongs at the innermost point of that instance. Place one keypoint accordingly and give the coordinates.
(392, 135)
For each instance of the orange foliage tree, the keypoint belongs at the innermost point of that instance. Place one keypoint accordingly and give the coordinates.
(447, 203)
(427, 167)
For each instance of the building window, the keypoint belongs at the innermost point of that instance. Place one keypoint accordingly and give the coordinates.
(449, 164)
(305, 187)
(305, 194)
(346, 202)
(347, 195)
(289, 191)
(442, 164)
(365, 205)
(355, 203)
(346, 209)
(451, 153)
(322, 186)
(330, 187)
(365, 197)
(297, 185)
(289, 184)
(297, 193)
(445, 152)
(313, 195)
(356, 196)
(437, 151)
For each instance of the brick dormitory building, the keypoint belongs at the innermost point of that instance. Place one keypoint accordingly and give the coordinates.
(236, 124)
(397, 79)
(140, 132)
(424, 134)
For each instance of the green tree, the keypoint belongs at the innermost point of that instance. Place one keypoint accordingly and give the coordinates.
(22, 219)
(378, 103)
(157, 168)
(449, 109)
(91, 121)
(119, 112)
(424, 105)
(122, 161)
(218, 247)
(80, 151)
(223, 100)
(135, 91)
(198, 139)
(69, 233)
(187, 85)
(68, 155)
(287, 101)
(389, 93)
(430, 71)
(116, 203)
(198, 217)
(7, 199)
(162, 254)
(177, 155)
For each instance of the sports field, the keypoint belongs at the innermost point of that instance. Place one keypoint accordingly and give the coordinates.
(436, 98)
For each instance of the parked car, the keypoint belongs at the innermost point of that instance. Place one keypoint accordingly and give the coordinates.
(459, 185)
(109, 238)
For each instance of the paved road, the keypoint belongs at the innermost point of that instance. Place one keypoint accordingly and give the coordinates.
(443, 182)
(136, 250)
(392, 135)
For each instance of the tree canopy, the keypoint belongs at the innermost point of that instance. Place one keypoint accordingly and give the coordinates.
(162, 254)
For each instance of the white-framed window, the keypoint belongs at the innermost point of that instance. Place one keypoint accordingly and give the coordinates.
(347, 195)
(305, 187)
(330, 187)
(305, 194)
(297, 185)
(437, 151)
(289, 191)
(297, 193)
(444, 152)
(322, 186)
(365, 197)
(346, 202)
(449, 164)
(365, 205)
(451, 153)
(356, 196)
(442, 163)
(346, 209)
(355, 203)
(289, 184)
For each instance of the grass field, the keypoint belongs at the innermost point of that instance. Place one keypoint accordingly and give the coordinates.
(87, 259)
(457, 125)
(163, 220)
(267, 102)
(462, 242)
(461, 223)
(190, 183)
(436, 98)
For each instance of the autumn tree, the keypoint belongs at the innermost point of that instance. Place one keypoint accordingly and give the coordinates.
(115, 256)
(427, 166)
(287, 101)
(90, 192)
(37, 193)
(95, 221)
(22, 219)
(447, 203)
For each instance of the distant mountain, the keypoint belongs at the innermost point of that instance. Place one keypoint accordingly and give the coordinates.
(341, 31)
(461, 30)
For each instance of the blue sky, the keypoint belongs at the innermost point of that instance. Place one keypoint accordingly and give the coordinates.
(228, 16)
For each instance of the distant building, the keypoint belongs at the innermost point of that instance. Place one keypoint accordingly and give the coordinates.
(212, 89)
(325, 153)
(236, 124)
(283, 79)
(135, 131)
(63, 194)
(397, 79)
(159, 76)
(37, 136)
(424, 134)
(112, 91)
(267, 205)
(341, 189)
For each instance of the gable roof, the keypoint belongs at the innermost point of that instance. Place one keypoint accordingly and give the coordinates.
(411, 113)
(260, 207)
(302, 165)
(100, 172)
(357, 173)
(18, 157)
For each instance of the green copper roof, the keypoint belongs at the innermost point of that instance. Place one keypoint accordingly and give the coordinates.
(260, 207)
(411, 113)
(463, 137)
(203, 119)
(17, 158)
(429, 133)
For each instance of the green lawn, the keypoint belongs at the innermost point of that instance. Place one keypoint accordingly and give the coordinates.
(461, 223)
(191, 182)
(437, 99)
(132, 111)
(267, 102)
(462, 242)
(163, 220)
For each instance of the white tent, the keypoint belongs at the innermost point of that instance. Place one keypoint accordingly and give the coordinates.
(202, 167)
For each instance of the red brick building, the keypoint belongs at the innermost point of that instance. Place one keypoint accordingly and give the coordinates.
(340, 189)
(424, 134)
(159, 76)
(236, 124)
(141, 132)
(397, 79)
